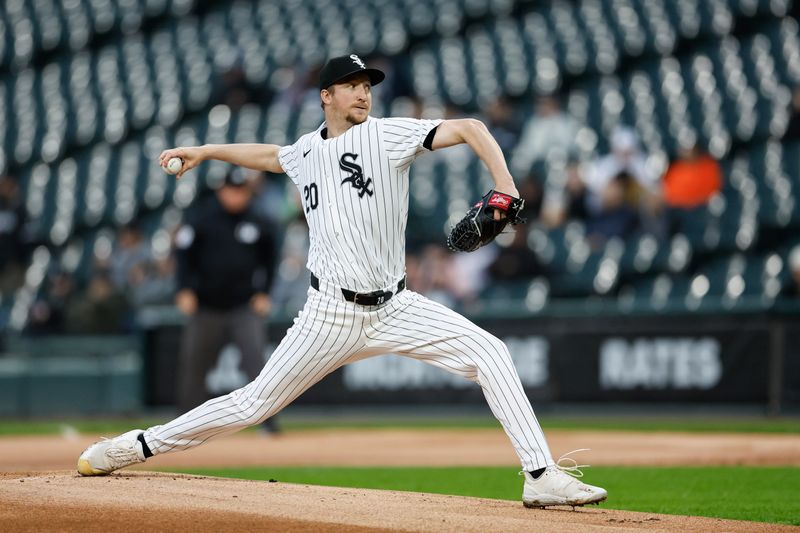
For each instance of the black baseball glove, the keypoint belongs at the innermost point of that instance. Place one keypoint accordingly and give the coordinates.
(479, 226)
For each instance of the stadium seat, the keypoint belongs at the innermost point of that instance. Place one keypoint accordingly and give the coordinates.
(92, 90)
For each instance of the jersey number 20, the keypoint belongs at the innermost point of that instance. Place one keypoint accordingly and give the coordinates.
(312, 196)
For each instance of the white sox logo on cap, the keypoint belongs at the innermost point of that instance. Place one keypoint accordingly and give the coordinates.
(357, 61)
(339, 68)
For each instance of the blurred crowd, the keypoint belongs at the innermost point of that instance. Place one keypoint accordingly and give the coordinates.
(137, 271)
(132, 275)
(616, 194)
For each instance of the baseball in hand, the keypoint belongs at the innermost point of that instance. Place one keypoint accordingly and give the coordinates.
(174, 165)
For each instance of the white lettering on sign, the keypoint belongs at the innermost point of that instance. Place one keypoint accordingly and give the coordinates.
(660, 363)
(391, 372)
(226, 375)
(531, 357)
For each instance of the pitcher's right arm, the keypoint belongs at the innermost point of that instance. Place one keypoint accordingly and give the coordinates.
(263, 157)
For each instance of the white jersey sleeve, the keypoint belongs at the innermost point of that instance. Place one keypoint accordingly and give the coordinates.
(287, 157)
(403, 138)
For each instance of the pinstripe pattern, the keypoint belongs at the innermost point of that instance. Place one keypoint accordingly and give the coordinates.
(330, 332)
(324, 336)
(432, 333)
(358, 242)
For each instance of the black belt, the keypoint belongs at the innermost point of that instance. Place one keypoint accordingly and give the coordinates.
(365, 298)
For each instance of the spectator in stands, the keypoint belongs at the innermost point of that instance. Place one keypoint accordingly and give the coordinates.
(516, 261)
(568, 201)
(626, 157)
(530, 190)
(548, 132)
(226, 262)
(793, 129)
(13, 243)
(644, 192)
(502, 123)
(617, 216)
(48, 312)
(469, 274)
(101, 309)
(132, 250)
(153, 282)
(692, 179)
(450, 279)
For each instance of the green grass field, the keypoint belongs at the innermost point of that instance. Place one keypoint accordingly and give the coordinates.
(745, 493)
(741, 493)
(621, 423)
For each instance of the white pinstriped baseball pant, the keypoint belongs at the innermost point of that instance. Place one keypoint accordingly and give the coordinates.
(330, 332)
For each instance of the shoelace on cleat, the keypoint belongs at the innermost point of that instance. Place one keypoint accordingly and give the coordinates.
(573, 469)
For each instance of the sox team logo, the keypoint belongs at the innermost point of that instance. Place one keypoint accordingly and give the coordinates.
(356, 178)
(357, 61)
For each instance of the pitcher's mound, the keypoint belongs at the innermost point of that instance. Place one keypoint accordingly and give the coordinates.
(131, 501)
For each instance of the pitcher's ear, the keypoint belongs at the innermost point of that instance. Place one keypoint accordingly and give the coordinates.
(326, 96)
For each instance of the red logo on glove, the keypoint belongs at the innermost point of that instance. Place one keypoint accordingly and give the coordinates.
(500, 200)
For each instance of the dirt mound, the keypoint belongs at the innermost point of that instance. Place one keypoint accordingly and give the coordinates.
(63, 501)
(408, 447)
(128, 501)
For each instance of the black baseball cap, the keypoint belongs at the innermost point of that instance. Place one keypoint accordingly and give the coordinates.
(339, 68)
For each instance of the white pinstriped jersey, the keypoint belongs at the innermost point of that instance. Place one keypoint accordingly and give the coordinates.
(354, 189)
(355, 195)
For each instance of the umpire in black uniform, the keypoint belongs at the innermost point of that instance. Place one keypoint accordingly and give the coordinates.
(226, 257)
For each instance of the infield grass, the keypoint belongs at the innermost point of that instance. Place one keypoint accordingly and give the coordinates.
(113, 426)
(763, 494)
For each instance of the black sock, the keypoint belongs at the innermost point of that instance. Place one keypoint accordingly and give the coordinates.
(145, 448)
(536, 474)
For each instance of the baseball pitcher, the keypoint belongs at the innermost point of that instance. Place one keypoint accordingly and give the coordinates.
(352, 174)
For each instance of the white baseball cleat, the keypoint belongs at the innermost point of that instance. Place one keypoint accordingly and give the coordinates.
(102, 458)
(555, 487)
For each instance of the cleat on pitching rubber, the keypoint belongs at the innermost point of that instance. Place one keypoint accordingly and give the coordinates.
(107, 455)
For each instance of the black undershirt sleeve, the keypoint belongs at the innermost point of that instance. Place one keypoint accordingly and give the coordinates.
(428, 142)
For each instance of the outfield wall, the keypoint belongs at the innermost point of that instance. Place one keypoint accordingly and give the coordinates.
(705, 359)
(708, 360)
